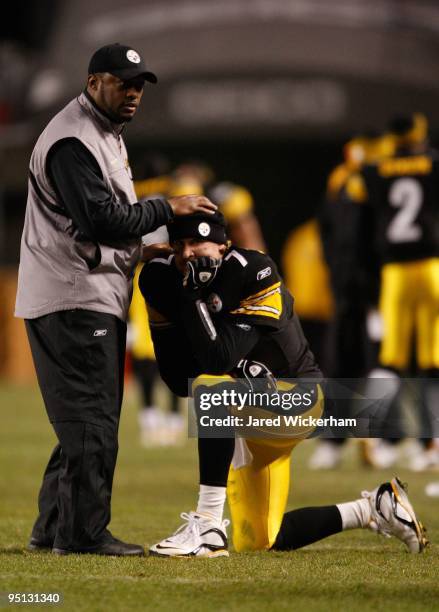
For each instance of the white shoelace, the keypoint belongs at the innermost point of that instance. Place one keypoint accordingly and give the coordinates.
(187, 531)
(191, 528)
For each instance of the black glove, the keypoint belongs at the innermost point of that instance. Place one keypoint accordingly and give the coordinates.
(255, 375)
(200, 272)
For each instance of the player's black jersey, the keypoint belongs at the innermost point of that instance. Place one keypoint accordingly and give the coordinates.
(403, 193)
(336, 229)
(247, 294)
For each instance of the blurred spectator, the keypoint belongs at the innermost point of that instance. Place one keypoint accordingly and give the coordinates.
(15, 71)
(24, 36)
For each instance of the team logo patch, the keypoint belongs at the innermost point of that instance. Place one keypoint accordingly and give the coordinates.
(214, 303)
(100, 332)
(133, 56)
(204, 229)
(255, 369)
(263, 273)
(205, 276)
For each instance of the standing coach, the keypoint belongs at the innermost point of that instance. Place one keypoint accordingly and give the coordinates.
(80, 245)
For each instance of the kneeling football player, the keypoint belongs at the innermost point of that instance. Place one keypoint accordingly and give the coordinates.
(213, 310)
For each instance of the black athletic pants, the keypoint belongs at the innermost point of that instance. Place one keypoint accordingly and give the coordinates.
(79, 359)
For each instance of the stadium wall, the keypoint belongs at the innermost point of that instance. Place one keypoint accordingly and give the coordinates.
(15, 358)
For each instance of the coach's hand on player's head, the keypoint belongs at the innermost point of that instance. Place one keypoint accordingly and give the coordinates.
(189, 204)
(200, 272)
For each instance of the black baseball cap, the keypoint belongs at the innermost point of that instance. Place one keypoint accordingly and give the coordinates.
(200, 225)
(123, 62)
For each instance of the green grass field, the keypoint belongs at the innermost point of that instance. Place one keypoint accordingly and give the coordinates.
(352, 571)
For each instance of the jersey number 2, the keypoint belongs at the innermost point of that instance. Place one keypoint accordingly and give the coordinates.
(406, 195)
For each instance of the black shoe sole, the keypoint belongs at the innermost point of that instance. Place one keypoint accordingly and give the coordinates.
(63, 552)
(213, 554)
(39, 547)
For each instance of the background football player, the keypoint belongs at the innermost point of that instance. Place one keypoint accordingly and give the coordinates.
(350, 349)
(397, 234)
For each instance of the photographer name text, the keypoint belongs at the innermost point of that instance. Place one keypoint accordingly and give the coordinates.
(283, 420)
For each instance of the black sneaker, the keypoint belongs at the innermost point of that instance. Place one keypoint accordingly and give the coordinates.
(39, 546)
(112, 547)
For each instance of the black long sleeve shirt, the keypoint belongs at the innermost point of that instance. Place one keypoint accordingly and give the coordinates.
(183, 355)
(78, 182)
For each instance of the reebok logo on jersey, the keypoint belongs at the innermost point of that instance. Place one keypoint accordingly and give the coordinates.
(100, 332)
(263, 273)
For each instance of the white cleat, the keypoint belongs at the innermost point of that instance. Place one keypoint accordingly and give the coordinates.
(392, 514)
(199, 536)
(327, 456)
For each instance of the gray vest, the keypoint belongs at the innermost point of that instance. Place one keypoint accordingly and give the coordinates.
(55, 267)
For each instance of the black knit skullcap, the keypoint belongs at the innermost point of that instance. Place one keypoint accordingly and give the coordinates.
(201, 226)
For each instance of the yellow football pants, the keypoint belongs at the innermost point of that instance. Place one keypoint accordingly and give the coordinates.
(258, 493)
(409, 306)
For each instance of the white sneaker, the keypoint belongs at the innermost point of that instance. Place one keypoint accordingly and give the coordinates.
(151, 423)
(427, 459)
(392, 515)
(383, 454)
(176, 424)
(432, 489)
(327, 456)
(199, 536)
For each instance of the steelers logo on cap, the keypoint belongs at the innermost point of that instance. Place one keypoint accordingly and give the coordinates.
(133, 56)
(204, 229)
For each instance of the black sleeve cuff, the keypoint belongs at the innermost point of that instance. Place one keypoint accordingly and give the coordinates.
(158, 213)
(163, 209)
